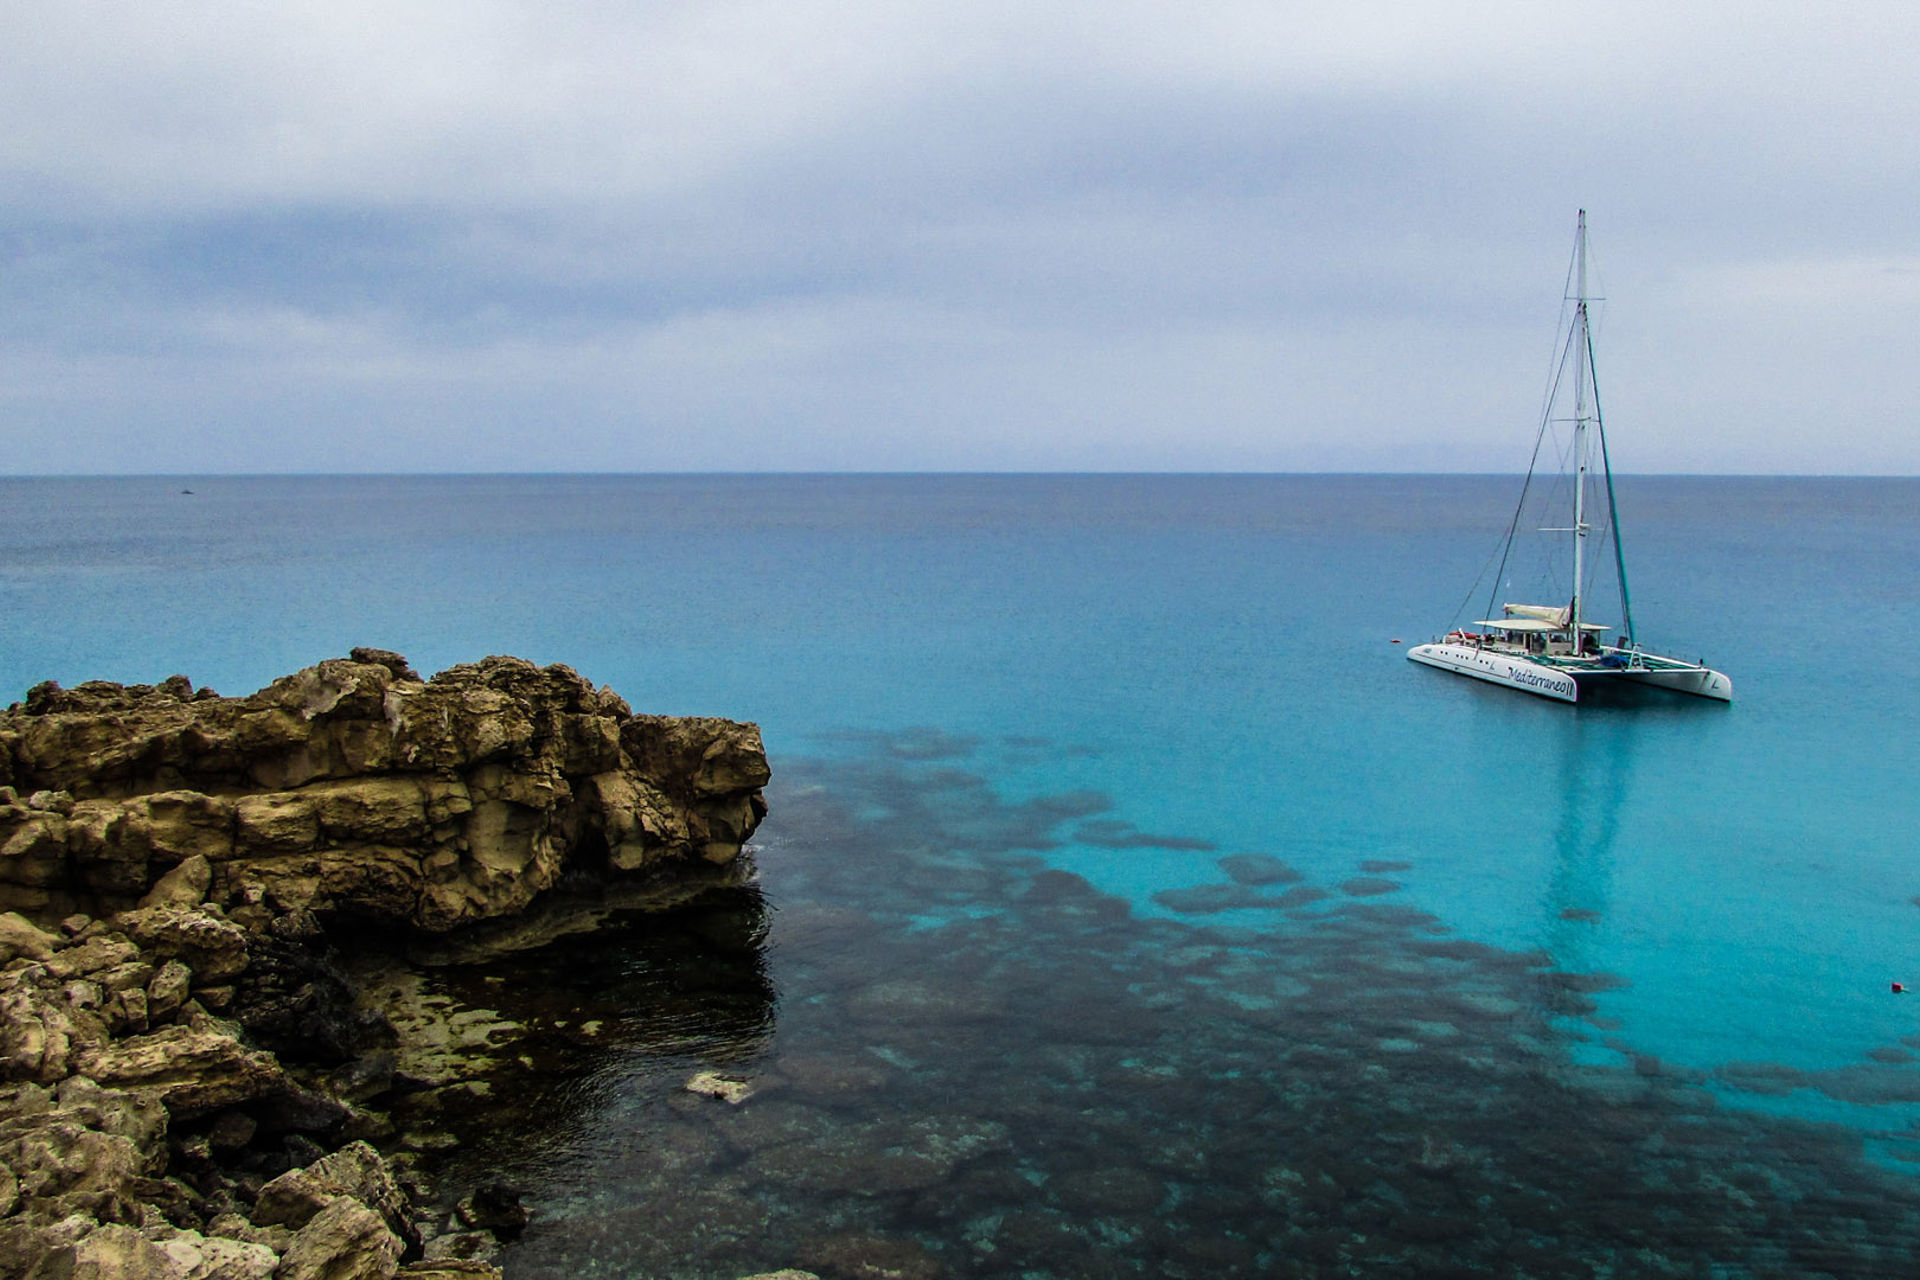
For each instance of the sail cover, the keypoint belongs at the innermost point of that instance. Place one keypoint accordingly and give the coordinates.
(1536, 626)
(1541, 612)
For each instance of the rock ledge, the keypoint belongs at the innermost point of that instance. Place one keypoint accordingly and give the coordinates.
(186, 1078)
(354, 786)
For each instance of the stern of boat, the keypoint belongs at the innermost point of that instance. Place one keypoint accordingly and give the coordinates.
(1701, 682)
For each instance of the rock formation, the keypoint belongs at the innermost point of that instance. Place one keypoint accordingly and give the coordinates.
(178, 1050)
(356, 787)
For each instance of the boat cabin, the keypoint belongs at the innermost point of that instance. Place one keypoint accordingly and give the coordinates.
(1537, 631)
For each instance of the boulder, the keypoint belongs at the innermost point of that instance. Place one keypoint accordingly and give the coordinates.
(231, 1226)
(194, 1069)
(463, 1246)
(495, 1207)
(214, 948)
(167, 990)
(295, 1197)
(80, 1150)
(42, 1026)
(119, 1253)
(34, 1249)
(292, 1199)
(344, 1241)
(865, 1257)
(449, 1269)
(95, 955)
(21, 937)
(184, 886)
(216, 1258)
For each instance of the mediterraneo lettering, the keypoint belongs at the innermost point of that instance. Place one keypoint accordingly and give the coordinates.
(1537, 679)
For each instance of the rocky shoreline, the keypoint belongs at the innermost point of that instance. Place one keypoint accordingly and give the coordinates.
(201, 1078)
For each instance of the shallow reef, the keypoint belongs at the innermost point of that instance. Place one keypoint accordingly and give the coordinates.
(944, 1058)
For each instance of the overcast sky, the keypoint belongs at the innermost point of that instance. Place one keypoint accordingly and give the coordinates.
(860, 235)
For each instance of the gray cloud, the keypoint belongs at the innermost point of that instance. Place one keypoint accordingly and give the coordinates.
(793, 236)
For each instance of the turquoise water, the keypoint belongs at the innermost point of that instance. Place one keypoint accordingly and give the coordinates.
(1130, 679)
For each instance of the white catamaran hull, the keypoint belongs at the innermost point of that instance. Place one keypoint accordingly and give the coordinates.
(1698, 681)
(1516, 672)
(1498, 668)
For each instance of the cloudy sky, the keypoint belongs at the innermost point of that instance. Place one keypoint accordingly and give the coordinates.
(934, 235)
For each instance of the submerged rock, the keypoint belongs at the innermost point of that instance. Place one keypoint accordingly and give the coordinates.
(868, 1257)
(1259, 869)
(711, 1084)
(496, 1208)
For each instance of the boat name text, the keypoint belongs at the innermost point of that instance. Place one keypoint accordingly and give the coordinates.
(1537, 679)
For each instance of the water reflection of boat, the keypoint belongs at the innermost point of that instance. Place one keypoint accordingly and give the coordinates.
(1558, 651)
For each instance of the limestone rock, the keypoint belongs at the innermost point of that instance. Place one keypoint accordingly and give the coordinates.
(864, 1257)
(711, 1084)
(45, 1021)
(21, 937)
(295, 1197)
(34, 1037)
(120, 1253)
(344, 1241)
(35, 1249)
(463, 1246)
(92, 956)
(495, 1207)
(449, 1269)
(199, 1257)
(196, 1070)
(355, 786)
(231, 1226)
(184, 886)
(214, 948)
(79, 1150)
(168, 989)
(197, 848)
(292, 1199)
(235, 1260)
(126, 1010)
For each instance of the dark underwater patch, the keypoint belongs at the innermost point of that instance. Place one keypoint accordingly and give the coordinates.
(1368, 886)
(1041, 1084)
(1258, 869)
(1206, 899)
(1108, 833)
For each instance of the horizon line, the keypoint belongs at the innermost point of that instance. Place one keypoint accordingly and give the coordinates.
(908, 472)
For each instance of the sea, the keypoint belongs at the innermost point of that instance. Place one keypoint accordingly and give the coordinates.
(1128, 904)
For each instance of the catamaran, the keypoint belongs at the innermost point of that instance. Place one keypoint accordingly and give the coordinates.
(1557, 650)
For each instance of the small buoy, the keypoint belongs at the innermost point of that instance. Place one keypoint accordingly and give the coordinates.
(1395, 640)
(1899, 988)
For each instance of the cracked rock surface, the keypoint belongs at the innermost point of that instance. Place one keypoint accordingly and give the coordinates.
(191, 1077)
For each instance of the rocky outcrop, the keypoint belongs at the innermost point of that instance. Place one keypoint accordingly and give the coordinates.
(355, 786)
(179, 1048)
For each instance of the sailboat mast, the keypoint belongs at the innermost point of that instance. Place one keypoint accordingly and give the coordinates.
(1580, 376)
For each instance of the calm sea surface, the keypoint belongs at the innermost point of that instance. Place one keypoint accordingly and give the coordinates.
(1129, 904)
